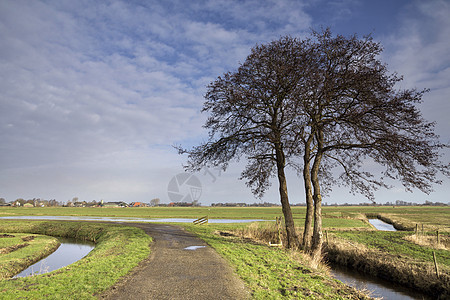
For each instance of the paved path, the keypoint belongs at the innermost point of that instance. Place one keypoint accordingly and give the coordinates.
(172, 272)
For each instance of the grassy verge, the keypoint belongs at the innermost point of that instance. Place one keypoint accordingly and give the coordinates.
(395, 244)
(272, 273)
(18, 251)
(390, 256)
(118, 250)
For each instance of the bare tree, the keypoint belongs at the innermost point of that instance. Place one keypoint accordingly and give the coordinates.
(318, 104)
(355, 113)
(155, 202)
(253, 114)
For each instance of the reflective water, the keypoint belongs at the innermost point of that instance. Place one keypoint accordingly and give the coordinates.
(194, 247)
(380, 225)
(377, 287)
(110, 219)
(68, 252)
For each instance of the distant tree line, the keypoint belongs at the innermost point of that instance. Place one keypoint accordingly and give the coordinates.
(75, 202)
(35, 202)
(242, 204)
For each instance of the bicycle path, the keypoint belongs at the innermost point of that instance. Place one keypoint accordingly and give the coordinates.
(180, 266)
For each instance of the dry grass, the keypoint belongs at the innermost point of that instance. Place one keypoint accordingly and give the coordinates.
(263, 233)
(267, 234)
(317, 264)
(430, 241)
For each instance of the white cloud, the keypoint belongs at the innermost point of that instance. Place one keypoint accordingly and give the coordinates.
(117, 80)
(418, 50)
(94, 93)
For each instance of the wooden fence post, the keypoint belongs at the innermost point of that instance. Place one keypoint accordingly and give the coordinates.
(435, 264)
(278, 222)
(437, 236)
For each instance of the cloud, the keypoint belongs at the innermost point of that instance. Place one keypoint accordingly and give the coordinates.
(82, 80)
(418, 50)
(95, 93)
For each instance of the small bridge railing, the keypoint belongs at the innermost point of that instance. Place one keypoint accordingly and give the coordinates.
(201, 221)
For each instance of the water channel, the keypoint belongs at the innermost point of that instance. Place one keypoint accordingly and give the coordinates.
(377, 287)
(68, 252)
(380, 225)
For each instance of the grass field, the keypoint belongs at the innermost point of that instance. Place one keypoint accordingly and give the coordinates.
(269, 272)
(19, 250)
(117, 251)
(339, 217)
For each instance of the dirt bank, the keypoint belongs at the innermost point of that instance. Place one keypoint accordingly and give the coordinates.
(402, 270)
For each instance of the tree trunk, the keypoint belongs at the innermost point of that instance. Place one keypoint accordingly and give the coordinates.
(307, 232)
(288, 219)
(316, 250)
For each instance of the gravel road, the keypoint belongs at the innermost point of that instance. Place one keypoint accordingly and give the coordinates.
(180, 266)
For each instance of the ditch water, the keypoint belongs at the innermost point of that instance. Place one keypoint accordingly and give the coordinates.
(377, 287)
(380, 225)
(69, 251)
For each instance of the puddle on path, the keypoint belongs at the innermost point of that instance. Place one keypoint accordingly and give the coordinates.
(194, 247)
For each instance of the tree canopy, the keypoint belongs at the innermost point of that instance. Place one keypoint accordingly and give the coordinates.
(318, 104)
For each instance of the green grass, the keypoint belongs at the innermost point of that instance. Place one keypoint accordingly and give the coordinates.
(19, 250)
(342, 223)
(118, 250)
(271, 273)
(263, 213)
(394, 244)
(431, 216)
(152, 212)
(419, 214)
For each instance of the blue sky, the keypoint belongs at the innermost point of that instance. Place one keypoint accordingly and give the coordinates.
(93, 94)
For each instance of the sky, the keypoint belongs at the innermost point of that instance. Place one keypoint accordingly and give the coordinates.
(95, 94)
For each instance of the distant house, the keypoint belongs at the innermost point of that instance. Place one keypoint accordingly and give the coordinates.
(138, 204)
(180, 204)
(115, 204)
